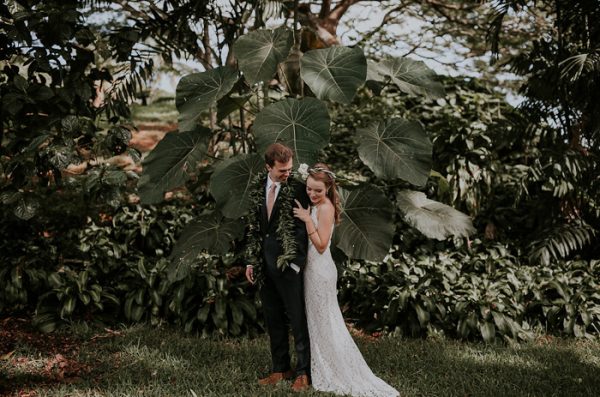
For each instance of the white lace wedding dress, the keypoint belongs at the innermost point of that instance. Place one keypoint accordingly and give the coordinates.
(336, 363)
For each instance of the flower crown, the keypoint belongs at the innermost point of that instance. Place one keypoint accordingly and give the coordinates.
(305, 171)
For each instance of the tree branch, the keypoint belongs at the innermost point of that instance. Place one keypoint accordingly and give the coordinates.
(325, 9)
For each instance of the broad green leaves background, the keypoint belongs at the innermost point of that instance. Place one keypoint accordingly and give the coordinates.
(259, 52)
(198, 92)
(334, 73)
(231, 183)
(171, 163)
(410, 76)
(396, 148)
(393, 149)
(301, 124)
(365, 231)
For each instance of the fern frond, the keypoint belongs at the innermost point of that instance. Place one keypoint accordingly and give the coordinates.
(561, 241)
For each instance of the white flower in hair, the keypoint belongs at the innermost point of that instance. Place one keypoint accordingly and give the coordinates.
(303, 171)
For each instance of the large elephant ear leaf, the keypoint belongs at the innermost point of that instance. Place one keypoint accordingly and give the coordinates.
(197, 92)
(231, 183)
(367, 227)
(334, 73)
(433, 219)
(211, 233)
(396, 148)
(410, 76)
(259, 52)
(171, 163)
(303, 125)
(231, 103)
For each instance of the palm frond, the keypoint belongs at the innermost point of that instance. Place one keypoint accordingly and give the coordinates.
(560, 241)
(432, 218)
(495, 27)
(129, 84)
(574, 67)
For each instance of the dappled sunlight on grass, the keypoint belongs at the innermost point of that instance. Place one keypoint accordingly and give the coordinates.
(141, 361)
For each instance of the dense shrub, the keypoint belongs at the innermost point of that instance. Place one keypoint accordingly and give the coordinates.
(484, 293)
(116, 268)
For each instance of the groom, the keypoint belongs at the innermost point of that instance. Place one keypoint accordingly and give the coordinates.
(282, 293)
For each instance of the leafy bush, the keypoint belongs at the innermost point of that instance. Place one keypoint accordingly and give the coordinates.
(485, 293)
(117, 268)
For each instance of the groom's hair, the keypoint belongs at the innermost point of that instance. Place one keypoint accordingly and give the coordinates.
(278, 152)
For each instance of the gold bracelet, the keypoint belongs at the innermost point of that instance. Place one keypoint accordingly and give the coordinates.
(313, 232)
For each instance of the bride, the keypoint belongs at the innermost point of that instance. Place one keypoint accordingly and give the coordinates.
(336, 363)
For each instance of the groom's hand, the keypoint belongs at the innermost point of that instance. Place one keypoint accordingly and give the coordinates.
(250, 274)
(301, 213)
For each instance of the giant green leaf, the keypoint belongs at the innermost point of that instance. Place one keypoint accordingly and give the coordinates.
(259, 52)
(231, 103)
(334, 73)
(396, 148)
(367, 226)
(412, 77)
(231, 183)
(433, 219)
(212, 233)
(303, 125)
(171, 162)
(197, 92)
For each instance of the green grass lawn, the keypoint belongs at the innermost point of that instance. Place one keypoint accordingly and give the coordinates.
(143, 361)
(162, 110)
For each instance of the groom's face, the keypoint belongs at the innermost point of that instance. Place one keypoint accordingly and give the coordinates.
(280, 172)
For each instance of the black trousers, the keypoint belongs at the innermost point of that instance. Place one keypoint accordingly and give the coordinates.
(283, 304)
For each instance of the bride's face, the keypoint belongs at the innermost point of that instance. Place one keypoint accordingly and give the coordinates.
(316, 190)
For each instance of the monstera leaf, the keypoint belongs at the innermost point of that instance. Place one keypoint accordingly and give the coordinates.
(433, 219)
(171, 162)
(412, 77)
(230, 184)
(396, 148)
(212, 233)
(303, 125)
(197, 92)
(334, 73)
(367, 226)
(259, 52)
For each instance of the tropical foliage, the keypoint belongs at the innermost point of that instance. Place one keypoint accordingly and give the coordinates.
(75, 243)
(561, 81)
(393, 149)
(485, 293)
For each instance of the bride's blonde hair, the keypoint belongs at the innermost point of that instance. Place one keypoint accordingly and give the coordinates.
(321, 172)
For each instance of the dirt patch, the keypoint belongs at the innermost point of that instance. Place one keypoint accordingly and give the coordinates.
(30, 359)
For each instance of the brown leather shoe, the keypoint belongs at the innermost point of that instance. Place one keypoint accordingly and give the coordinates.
(275, 378)
(300, 384)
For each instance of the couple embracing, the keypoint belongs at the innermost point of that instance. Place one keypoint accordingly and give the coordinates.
(289, 233)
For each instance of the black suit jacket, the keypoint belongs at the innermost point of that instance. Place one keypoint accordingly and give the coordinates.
(271, 246)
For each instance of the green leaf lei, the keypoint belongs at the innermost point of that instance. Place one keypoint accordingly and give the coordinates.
(285, 226)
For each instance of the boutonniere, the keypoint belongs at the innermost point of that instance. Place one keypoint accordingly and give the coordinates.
(285, 225)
